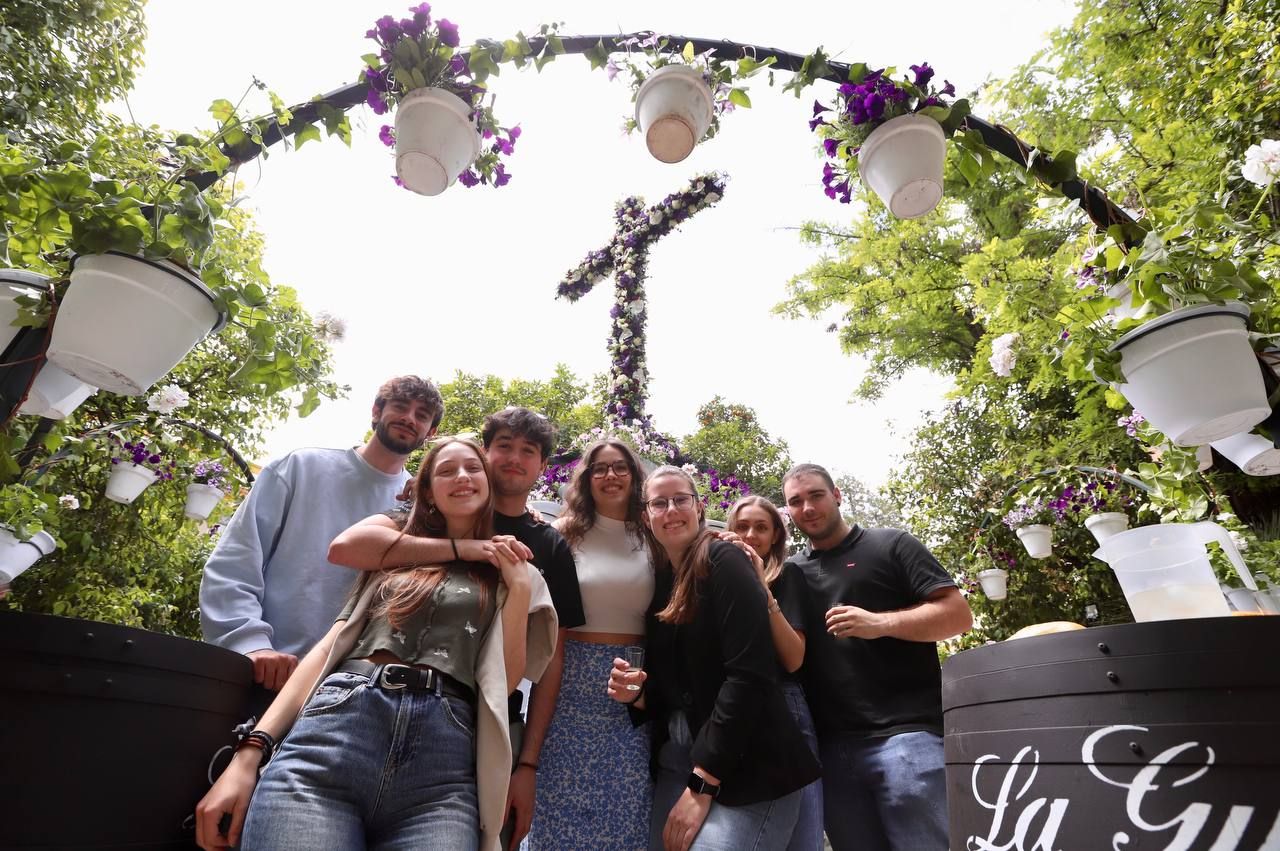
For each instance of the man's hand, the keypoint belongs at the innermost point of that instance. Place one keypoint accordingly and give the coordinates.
(685, 820)
(520, 803)
(853, 622)
(497, 550)
(272, 669)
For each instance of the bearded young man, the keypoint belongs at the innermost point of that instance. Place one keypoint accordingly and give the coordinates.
(267, 590)
(877, 603)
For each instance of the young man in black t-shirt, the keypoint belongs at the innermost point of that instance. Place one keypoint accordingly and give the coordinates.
(518, 443)
(877, 602)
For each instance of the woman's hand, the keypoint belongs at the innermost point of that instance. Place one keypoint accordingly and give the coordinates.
(685, 820)
(228, 797)
(756, 561)
(508, 555)
(493, 550)
(622, 676)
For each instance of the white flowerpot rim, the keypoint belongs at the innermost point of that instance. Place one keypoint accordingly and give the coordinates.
(23, 277)
(179, 272)
(40, 536)
(1182, 314)
(1104, 516)
(993, 571)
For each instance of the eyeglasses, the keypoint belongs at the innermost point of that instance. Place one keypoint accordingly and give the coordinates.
(601, 469)
(659, 504)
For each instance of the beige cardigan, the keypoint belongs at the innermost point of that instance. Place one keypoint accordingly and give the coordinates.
(493, 739)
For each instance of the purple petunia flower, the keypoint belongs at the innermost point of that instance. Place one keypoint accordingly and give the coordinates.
(949, 89)
(422, 11)
(468, 178)
(816, 123)
(830, 146)
(377, 80)
(500, 176)
(412, 27)
(923, 74)
(375, 102)
(818, 108)
(448, 32)
(458, 64)
(387, 135)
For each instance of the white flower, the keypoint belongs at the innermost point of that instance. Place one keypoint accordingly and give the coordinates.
(1241, 542)
(712, 197)
(68, 501)
(168, 399)
(690, 469)
(1003, 358)
(1262, 162)
(675, 204)
(655, 218)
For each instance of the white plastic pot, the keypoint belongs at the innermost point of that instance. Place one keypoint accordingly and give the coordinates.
(201, 500)
(902, 162)
(995, 583)
(673, 111)
(126, 321)
(1252, 453)
(1037, 538)
(435, 140)
(127, 481)
(1193, 374)
(55, 393)
(1123, 292)
(14, 283)
(1105, 524)
(16, 556)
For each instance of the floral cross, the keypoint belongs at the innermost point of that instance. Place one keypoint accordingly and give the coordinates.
(626, 256)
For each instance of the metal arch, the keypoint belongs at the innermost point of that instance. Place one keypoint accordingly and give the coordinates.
(1100, 209)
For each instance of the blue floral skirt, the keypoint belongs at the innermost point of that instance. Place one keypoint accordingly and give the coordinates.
(594, 790)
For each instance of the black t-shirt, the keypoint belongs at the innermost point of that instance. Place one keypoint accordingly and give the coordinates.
(553, 558)
(882, 686)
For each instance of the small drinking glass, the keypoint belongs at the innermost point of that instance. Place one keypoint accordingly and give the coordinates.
(634, 656)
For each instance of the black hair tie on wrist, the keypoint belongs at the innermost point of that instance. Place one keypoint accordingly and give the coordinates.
(454, 544)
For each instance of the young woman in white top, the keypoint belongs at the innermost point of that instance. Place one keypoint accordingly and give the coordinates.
(594, 789)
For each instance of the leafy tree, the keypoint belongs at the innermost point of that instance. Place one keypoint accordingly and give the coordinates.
(731, 441)
(563, 399)
(869, 508)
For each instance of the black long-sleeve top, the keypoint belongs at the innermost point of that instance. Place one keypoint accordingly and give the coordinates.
(722, 670)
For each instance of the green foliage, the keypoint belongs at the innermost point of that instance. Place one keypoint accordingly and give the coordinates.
(24, 511)
(867, 507)
(563, 399)
(731, 441)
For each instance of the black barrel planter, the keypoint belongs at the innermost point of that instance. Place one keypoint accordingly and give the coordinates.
(1158, 735)
(107, 732)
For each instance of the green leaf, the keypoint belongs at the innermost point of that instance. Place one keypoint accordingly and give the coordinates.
(858, 72)
(598, 56)
(938, 113)
(554, 44)
(687, 54)
(222, 110)
(739, 98)
(310, 401)
(970, 167)
(373, 60)
(305, 134)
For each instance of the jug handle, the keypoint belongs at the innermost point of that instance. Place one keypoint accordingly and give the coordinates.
(1210, 531)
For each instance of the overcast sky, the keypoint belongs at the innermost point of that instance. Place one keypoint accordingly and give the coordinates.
(466, 280)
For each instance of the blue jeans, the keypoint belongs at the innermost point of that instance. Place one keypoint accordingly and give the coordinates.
(366, 767)
(762, 826)
(807, 835)
(885, 793)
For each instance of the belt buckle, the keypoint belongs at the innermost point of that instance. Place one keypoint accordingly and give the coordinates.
(387, 683)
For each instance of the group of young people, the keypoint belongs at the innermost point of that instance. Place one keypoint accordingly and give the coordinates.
(776, 697)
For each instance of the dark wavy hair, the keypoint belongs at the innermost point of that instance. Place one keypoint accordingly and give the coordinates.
(692, 567)
(411, 388)
(579, 514)
(777, 553)
(406, 588)
(521, 422)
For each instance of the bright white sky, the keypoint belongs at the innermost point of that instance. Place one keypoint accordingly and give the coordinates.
(467, 280)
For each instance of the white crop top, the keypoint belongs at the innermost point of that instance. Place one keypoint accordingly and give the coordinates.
(616, 578)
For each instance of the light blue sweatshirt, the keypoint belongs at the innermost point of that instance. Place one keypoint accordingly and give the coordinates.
(269, 583)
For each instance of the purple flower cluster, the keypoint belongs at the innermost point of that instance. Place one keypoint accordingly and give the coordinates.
(1131, 423)
(210, 473)
(138, 453)
(496, 171)
(862, 106)
(719, 491)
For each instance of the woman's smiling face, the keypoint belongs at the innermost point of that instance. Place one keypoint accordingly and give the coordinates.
(459, 487)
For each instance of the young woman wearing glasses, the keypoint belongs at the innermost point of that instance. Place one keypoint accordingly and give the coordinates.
(731, 760)
(593, 788)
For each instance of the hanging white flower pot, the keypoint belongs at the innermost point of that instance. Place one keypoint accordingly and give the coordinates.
(127, 481)
(201, 500)
(435, 140)
(1252, 453)
(1037, 538)
(995, 583)
(902, 163)
(673, 111)
(1193, 374)
(16, 556)
(55, 393)
(1105, 524)
(14, 283)
(125, 321)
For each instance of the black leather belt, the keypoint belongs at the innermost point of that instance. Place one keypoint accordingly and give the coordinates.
(393, 677)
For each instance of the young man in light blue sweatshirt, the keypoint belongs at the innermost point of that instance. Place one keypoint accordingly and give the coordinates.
(268, 590)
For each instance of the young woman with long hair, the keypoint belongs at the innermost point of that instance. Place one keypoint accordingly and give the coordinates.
(731, 760)
(593, 789)
(756, 525)
(404, 743)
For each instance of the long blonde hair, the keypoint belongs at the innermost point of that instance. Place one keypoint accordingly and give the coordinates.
(404, 589)
(777, 553)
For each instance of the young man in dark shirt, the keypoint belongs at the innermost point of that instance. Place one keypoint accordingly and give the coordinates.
(518, 443)
(877, 603)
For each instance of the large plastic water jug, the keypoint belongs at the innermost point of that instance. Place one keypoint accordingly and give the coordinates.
(1165, 573)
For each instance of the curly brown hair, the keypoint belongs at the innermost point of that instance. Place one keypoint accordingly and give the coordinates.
(411, 388)
(579, 514)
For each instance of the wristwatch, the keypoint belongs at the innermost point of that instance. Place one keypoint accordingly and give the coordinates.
(699, 786)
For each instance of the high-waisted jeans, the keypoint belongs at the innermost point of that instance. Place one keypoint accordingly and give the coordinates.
(366, 767)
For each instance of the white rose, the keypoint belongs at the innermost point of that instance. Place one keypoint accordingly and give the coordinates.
(655, 218)
(168, 399)
(1262, 162)
(676, 204)
(68, 501)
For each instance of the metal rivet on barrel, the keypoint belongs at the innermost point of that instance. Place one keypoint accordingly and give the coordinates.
(128, 643)
(107, 683)
(1111, 675)
(1102, 646)
(66, 678)
(1135, 747)
(88, 636)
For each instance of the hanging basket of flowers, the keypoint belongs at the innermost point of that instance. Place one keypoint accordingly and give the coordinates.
(23, 538)
(133, 469)
(1032, 522)
(207, 488)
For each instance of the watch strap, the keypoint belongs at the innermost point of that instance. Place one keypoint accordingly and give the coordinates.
(699, 786)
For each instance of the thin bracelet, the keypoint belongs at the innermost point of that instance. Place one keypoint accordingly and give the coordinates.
(527, 764)
(454, 544)
(774, 606)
